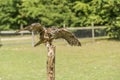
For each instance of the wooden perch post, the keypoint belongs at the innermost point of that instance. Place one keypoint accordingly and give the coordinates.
(50, 62)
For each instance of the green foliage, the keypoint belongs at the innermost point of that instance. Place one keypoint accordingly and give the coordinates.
(114, 18)
(114, 30)
(72, 13)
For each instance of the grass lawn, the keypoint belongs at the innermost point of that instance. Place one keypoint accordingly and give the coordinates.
(93, 61)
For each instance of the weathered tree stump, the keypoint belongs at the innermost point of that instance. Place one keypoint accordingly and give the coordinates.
(51, 62)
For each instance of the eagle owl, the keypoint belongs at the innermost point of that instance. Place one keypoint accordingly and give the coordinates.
(49, 34)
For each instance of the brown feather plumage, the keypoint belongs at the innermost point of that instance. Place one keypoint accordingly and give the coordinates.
(68, 36)
(49, 34)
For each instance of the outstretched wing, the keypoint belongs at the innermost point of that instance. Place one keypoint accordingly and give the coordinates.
(68, 36)
(37, 27)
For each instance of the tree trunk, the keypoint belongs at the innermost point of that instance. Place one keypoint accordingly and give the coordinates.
(51, 62)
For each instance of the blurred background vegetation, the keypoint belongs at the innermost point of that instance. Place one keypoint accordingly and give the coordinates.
(72, 13)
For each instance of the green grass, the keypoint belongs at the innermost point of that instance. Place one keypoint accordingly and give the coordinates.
(93, 61)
